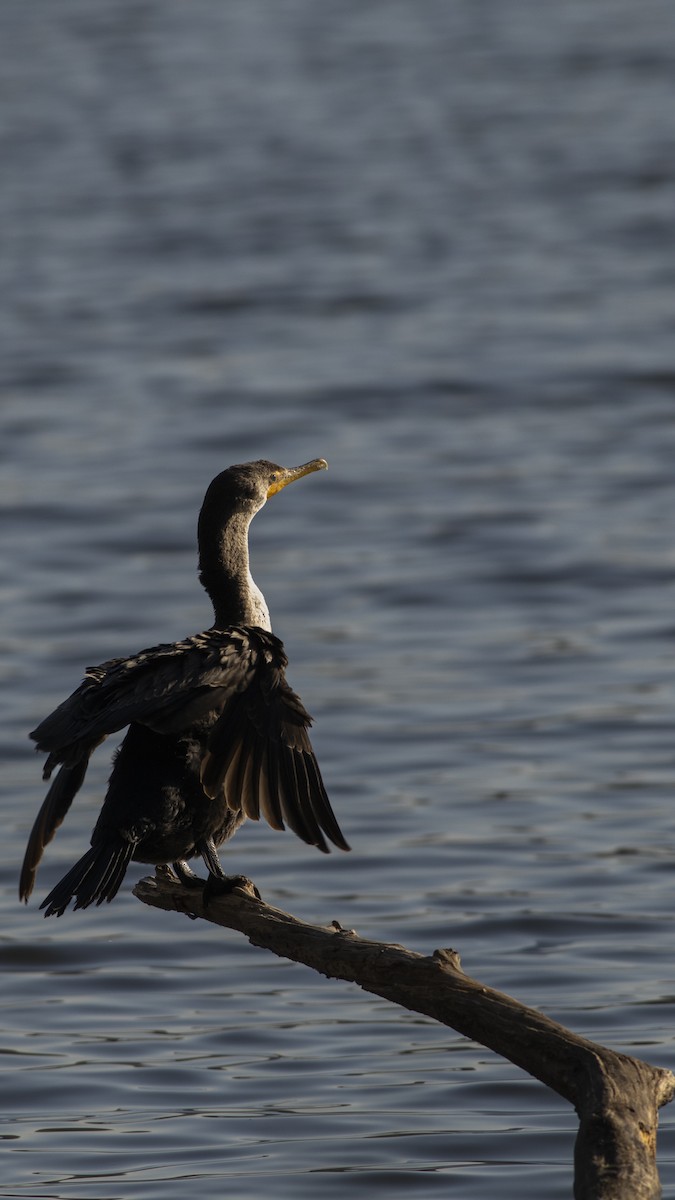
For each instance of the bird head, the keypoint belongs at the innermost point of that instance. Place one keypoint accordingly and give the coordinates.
(245, 487)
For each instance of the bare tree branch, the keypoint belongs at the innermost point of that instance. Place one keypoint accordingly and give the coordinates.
(616, 1097)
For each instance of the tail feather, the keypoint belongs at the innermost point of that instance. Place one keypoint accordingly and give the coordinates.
(94, 878)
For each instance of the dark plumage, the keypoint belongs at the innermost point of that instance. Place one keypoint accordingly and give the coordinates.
(215, 732)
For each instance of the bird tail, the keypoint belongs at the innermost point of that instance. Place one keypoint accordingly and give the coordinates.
(94, 878)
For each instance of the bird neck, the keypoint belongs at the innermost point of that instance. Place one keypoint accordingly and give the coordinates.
(225, 573)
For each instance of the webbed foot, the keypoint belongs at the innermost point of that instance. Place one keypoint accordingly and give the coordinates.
(186, 875)
(222, 885)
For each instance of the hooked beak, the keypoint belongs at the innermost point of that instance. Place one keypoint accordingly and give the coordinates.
(286, 475)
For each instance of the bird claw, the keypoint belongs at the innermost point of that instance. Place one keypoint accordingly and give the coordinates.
(222, 885)
(179, 872)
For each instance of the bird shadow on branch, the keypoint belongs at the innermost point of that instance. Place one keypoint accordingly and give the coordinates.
(616, 1097)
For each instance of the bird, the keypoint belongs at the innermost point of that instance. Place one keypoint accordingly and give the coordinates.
(215, 733)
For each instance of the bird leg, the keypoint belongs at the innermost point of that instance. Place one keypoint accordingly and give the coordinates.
(218, 883)
(186, 875)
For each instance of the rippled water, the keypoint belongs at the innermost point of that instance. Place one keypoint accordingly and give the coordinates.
(432, 243)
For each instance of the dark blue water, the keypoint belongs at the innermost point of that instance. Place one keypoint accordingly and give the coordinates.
(434, 244)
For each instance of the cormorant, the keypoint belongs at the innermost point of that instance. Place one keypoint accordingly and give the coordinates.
(215, 733)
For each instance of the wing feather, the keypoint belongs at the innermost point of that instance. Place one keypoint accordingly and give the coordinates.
(304, 800)
(259, 758)
(167, 687)
(52, 812)
(321, 804)
(270, 805)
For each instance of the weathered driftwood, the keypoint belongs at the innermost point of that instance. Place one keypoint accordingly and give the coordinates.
(616, 1097)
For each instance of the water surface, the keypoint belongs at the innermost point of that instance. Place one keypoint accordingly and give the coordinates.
(434, 245)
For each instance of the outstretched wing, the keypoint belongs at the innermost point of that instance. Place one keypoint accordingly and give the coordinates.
(260, 759)
(168, 688)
